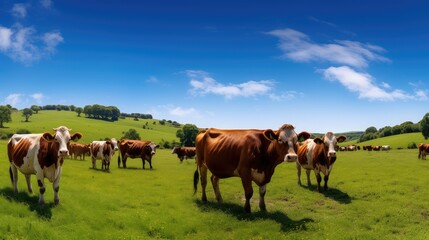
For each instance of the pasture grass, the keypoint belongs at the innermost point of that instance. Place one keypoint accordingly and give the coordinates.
(372, 195)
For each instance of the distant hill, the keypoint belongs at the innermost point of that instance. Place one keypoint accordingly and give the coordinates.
(395, 141)
(91, 129)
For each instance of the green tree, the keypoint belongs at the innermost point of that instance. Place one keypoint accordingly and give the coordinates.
(187, 135)
(5, 115)
(131, 134)
(35, 109)
(424, 124)
(27, 112)
(79, 110)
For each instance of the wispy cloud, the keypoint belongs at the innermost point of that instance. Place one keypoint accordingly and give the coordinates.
(24, 44)
(38, 97)
(353, 58)
(181, 112)
(46, 3)
(298, 47)
(13, 99)
(202, 83)
(152, 79)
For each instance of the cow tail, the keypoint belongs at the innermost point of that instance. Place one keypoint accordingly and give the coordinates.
(119, 160)
(196, 176)
(11, 175)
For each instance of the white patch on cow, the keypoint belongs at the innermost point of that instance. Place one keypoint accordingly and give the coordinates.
(62, 136)
(288, 136)
(258, 177)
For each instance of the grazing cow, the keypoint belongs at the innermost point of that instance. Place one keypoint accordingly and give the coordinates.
(79, 150)
(368, 148)
(136, 149)
(319, 155)
(343, 148)
(248, 154)
(184, 152)
(385, 148)
(351, 148)
(42, 155)
(423, 150)
(376, 148)
(103, 150)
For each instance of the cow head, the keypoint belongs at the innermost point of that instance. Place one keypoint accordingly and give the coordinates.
(175, 149)
(62, 137)
(151, 147)
(330, 143)
(114, 144)
(286, 136)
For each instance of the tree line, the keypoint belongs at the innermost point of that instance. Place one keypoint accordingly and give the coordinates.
(405, 127)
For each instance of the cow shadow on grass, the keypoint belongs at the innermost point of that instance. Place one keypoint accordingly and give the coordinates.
(32, 201)
(332, 193)
(138, 168)
(237, 211)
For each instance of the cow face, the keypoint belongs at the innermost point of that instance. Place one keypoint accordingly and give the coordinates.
(62, 137)
(285, 135)
(114, 144)
(151, 147)
(330, 142)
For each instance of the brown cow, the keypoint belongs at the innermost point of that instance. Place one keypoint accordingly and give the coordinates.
(423, 150)
(42, 155)
(319, 155)
(248, 154)
(376, 148)
(184, 152)
(79, 150)
(136, 149)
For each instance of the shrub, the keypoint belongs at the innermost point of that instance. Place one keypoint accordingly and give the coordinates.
(412, 145)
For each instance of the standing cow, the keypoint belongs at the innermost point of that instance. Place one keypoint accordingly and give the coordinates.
(251, 155)
(136, 149)
(41, 155)
(423, 150)
(319, 155)
(79, 150)
(184, 152)
(103, 150)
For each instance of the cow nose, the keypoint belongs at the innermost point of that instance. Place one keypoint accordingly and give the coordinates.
(64, 152)
(152, 153)
(116, 149)
(291, 157)
(332, 154)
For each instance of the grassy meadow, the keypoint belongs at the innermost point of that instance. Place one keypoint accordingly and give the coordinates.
(372, 195)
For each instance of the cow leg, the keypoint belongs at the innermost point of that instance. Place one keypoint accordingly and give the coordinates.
(56, 187)
(308, 172)
(124, 161)
(143, 162)
(215, 183)
(28, 179)
(14, 177)
(298, 168)
(42, 190)
(248, 191)
(93, 163)
(262, 191)
(150, 163)
(326, 178)
(319, 179)
(203, 178)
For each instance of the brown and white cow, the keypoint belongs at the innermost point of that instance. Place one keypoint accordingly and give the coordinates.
(42, 155)
(103, 150)
(184, 152)
(319, 155)
(136, 149)
(423, 150)
(79, 150)
(251, 155)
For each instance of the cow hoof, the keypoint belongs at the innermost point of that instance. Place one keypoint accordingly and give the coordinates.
(57, 201)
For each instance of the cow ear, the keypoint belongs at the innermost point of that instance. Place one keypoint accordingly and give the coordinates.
(270, 135)
(76, 136)
(302, 136)
(318, 140)
(341, 138)
(48, 136)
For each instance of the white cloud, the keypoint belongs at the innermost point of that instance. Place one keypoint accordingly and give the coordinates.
(51, 40)
(5, 38)
(152, 79)
(13, 99)
(180, 112)
(46, 3)
(299, 47)
(38, 97)
(202, 84)
(363, 84)
(19, 10)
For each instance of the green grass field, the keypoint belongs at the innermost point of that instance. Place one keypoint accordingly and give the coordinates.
(372, 195)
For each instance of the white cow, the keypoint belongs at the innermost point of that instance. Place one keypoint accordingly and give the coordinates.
(103, 150)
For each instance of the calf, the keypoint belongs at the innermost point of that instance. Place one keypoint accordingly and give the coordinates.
(319, 155)
(79, 150)
(184, 152)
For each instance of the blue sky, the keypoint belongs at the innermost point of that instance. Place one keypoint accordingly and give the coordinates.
(319, 65)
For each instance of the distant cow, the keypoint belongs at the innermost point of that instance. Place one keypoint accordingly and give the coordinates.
(423, 150)
(376, 148)
(184, 152)
(251, 155)
(385, 148)
(319, 155)
(136, 149)
(367, 147)
(351, 148)
(79, 150)
(42, 155)
(103, 150)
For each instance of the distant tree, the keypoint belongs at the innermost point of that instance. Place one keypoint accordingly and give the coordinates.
(78, 110)
(131, 134)
(371, 130)
(72, 108)
(187, 135)
(27, 112)
(35, 109)
(424, 124)
(5, 115)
